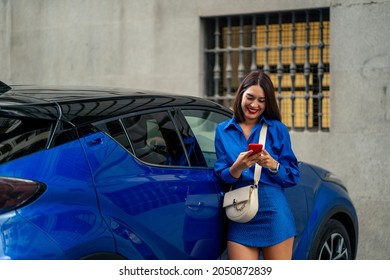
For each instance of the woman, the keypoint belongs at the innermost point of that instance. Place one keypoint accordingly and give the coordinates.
(272, 230)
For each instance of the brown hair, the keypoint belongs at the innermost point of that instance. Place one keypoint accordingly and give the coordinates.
(271, 106)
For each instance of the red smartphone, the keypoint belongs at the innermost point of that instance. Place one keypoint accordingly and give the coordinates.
(256, 148)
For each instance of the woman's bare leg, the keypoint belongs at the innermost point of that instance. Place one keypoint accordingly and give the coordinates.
(238, 251)
(280, 251)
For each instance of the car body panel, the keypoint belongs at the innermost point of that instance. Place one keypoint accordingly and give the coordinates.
(132, 195)
(65, 218)
(325, 200)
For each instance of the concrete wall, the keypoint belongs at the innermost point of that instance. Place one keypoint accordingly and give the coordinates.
(140, 44)
(5, 37)
(157, 45)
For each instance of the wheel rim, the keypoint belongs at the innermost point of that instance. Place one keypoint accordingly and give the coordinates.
(334, 248)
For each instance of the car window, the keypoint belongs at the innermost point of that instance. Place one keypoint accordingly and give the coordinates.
(190, 143)
(115, 130)
(203, 124)
(21, 137)
(155, 140)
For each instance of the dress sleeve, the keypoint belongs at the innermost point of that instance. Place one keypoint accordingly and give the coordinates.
(222, 166)
(288, 174)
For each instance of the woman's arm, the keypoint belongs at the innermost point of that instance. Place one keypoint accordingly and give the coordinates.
(288, 173)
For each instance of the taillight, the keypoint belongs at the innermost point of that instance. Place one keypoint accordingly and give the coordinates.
(15, 193)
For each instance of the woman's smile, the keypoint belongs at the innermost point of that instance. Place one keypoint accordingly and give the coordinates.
(252, 110)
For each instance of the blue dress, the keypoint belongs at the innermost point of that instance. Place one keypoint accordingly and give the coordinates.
(274, 221)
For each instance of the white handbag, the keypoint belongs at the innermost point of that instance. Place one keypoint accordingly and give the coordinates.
(242, 204)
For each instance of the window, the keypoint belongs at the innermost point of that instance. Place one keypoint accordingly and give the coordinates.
(292, 47)
(203, 125)
(115, 130)
(164, 138)
(154, 138)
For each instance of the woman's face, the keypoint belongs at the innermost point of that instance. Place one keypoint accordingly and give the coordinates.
(253, 103)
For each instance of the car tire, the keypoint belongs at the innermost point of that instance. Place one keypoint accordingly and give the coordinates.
(332, 243)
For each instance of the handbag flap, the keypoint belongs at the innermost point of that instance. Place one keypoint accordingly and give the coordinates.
(237, 196)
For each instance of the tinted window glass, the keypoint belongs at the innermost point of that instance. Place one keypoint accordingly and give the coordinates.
(190, 143)
(21, 137)
(203, 124)
(115, 130)
(155, 140)
(64, 134)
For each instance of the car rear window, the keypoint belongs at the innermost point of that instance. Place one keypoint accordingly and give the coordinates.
(21, 137)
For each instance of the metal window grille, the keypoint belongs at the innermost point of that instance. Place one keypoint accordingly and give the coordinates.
(292, 47)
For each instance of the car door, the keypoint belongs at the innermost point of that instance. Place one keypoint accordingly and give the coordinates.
(156, 191)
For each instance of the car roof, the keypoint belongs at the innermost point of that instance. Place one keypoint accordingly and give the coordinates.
(85, 104)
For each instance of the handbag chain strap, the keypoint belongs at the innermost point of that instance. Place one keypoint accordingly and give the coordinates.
(263, 135)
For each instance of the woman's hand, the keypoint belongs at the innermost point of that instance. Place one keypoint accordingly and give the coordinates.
(244, 161)
(266, 160)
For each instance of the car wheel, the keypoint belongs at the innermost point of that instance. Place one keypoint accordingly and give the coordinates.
(332, 243)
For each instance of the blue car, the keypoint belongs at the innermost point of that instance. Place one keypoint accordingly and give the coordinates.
(92, 173)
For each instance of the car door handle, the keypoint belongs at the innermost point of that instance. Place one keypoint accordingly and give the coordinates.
(196, 207)
(93, 140)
